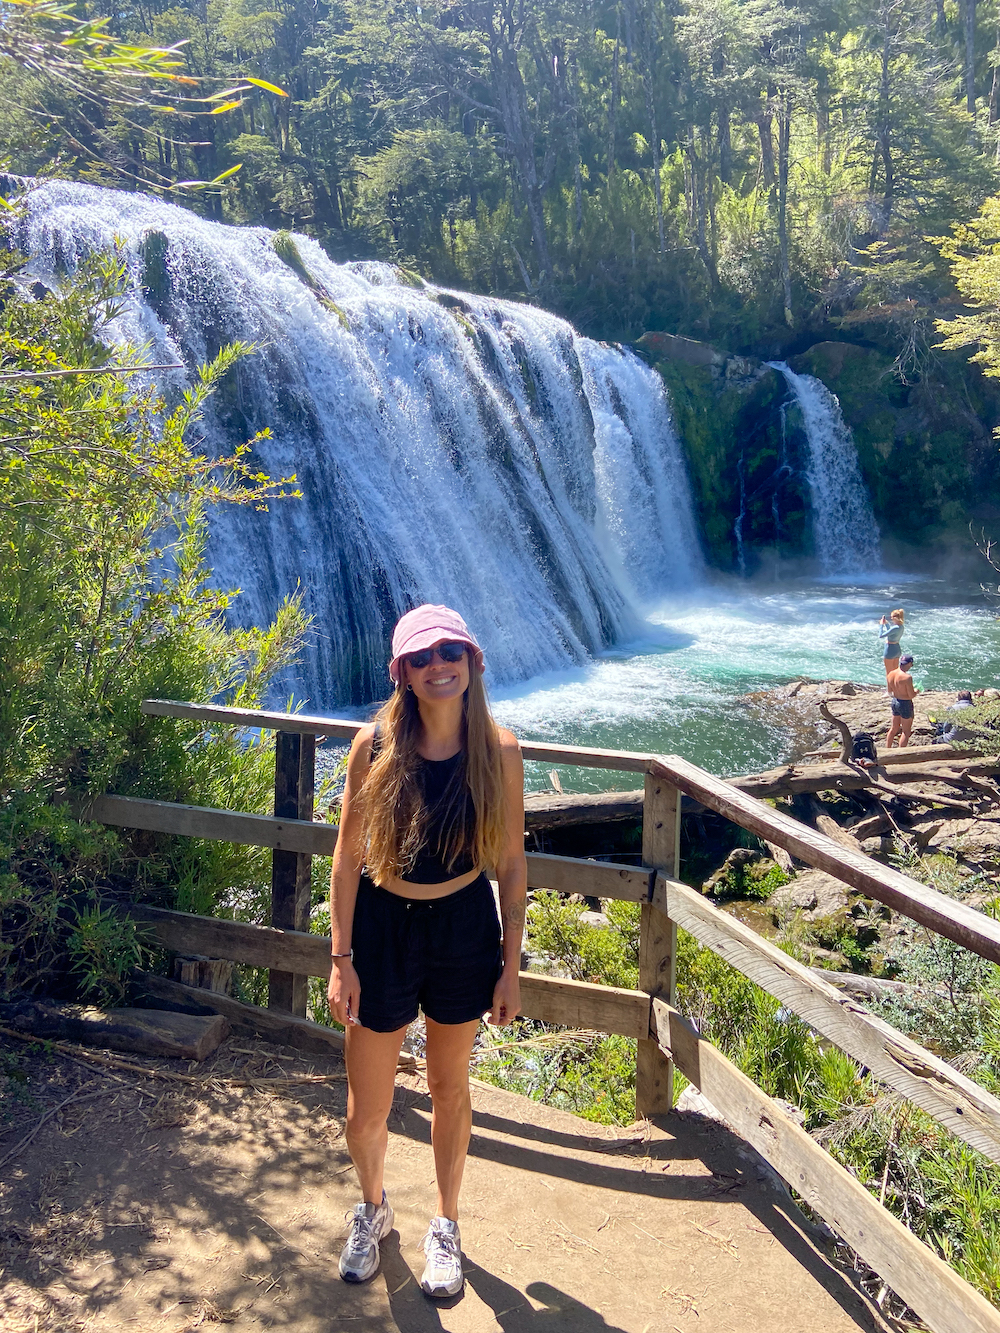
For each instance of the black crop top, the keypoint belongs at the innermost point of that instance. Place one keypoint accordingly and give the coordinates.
(429, 867)
(434, 775)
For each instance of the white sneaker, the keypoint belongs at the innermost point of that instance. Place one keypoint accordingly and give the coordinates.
(443, 1274)
(359, 1259)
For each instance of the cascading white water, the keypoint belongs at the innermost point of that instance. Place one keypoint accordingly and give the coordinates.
(844, 528)
(449, 448)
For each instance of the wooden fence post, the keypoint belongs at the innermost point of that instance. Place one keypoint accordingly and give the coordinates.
(661, 841)
(291, 872)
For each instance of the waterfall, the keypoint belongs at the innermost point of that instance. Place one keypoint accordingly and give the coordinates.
(450, 448)
(845, 533)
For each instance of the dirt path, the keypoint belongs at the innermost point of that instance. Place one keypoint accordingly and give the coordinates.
(156, 1205)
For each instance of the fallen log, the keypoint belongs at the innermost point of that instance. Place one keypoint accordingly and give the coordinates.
(908, 754)
(552, 810)
(549, 810)
(144, 1031)
(828, 825)
(908, 794)
(796, 779)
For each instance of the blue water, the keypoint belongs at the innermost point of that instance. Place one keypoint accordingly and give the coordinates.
(683, 689)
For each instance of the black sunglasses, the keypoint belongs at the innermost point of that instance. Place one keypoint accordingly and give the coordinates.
(448, 652)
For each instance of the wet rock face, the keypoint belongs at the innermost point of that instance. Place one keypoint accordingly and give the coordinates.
(745, 459)
(925, 448)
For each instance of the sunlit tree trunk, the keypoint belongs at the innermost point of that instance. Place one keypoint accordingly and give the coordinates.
(616, 92)
(969, 16)
(784, 143)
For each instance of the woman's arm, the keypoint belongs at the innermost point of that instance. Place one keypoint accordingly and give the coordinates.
(344, 991)
(512, 876)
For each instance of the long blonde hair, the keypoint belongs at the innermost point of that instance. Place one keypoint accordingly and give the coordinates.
(899, 612)
(393, 811)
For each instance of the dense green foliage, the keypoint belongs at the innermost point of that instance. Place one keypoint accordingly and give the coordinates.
(729, 168)
(105, 600)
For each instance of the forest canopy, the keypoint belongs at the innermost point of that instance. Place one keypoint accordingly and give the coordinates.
(730, 169)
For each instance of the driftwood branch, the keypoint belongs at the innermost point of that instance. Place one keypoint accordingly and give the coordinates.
(846, 739)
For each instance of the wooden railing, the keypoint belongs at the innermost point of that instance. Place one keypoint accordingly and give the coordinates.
(665, 1038)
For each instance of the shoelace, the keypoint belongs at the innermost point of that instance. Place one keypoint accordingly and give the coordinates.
(440, 1240)
(362, 1230)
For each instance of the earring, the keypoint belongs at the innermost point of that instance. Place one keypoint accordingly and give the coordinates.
(409, 687)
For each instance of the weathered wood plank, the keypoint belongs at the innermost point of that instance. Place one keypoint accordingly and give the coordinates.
(957, 1102)
(286, 1029)
(593, 879)
(579, 1004)
(939, 1296)
(566, 874)
(551, 999)
(196, 821)
(974, 930)
(302, 724)
(661, 841)
(257, 946)
(175, 1036)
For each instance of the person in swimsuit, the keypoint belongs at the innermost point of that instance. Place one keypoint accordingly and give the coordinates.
(434, 799)
(892, 631)
(903, 692)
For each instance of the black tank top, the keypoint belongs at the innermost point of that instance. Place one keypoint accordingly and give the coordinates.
(434, 777)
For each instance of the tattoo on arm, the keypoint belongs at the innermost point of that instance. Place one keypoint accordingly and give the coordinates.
(513, 913)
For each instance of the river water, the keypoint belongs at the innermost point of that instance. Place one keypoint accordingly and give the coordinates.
(682, 690)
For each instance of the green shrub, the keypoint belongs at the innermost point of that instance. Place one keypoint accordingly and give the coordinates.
(105, 599)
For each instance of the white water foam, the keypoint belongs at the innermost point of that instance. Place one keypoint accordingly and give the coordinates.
(450, 448)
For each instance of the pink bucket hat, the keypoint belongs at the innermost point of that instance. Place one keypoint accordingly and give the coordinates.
(424, 627)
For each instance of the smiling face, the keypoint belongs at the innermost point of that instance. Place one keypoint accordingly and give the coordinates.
(438, 680)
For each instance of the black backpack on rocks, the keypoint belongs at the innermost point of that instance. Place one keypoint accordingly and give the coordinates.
(863, 747)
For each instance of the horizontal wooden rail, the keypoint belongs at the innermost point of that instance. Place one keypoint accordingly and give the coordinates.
(576, 1004)
(566, 874)
(974, 930)
(957, 1102)
(945, 1301)
(582, 755)
(198, 821)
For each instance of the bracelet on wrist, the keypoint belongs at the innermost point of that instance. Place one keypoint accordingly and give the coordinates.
(349, 954)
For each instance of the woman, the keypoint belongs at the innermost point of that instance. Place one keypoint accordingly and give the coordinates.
(892, 633)
(434, 798)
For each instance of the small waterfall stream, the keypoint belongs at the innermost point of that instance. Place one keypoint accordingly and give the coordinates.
(449, 448)
(845, 533)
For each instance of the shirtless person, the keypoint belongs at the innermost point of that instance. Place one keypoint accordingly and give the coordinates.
(903, 692)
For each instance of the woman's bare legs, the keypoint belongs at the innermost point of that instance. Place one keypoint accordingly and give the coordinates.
(371, 1078)
(449, 1046)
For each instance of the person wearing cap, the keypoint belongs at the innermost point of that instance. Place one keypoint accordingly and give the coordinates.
(903, 692)
(434, 799)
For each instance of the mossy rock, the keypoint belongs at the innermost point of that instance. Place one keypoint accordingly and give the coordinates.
(926, 449)
(409, 278)
(288, 252)
(731, 433)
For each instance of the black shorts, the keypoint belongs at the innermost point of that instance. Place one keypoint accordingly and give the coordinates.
(442, 955)
(902, 708)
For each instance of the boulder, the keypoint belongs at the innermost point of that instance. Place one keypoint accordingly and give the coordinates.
(812, 892)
